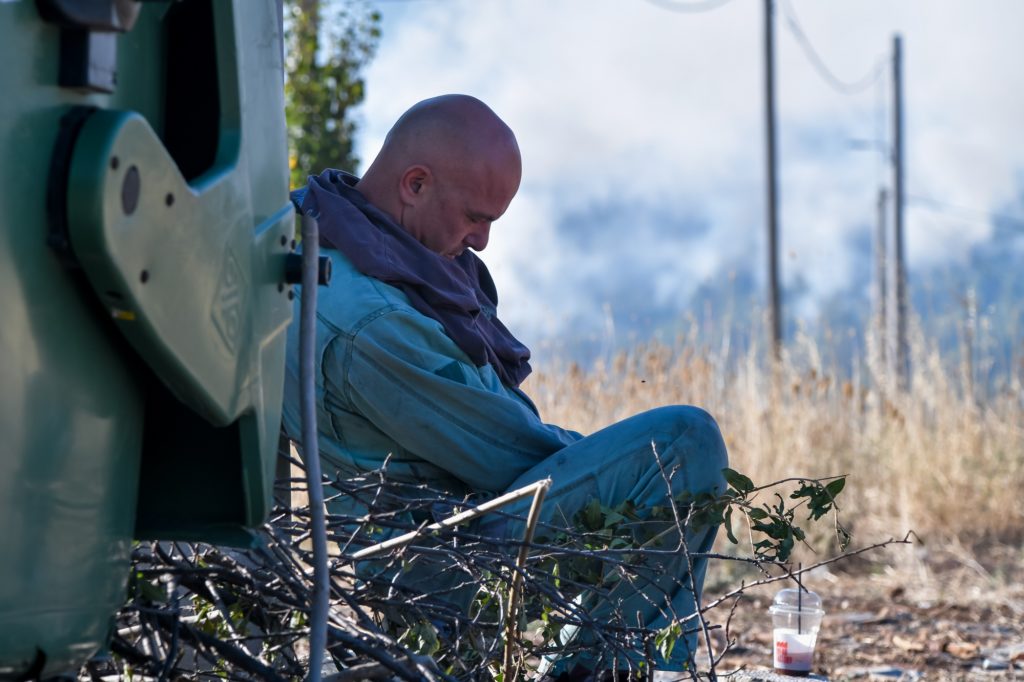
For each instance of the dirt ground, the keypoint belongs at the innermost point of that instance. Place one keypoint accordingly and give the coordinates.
(938, 616)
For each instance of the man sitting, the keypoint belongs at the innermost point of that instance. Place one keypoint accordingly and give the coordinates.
(414, 366)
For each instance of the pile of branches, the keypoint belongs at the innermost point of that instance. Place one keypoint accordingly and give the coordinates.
(200, 611)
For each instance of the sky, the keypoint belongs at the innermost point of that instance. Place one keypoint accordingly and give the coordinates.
(642, 132)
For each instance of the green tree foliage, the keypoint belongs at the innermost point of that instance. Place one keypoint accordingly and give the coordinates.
(327, 44)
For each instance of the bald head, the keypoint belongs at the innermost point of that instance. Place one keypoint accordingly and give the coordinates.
(449, 129)
(449, 167)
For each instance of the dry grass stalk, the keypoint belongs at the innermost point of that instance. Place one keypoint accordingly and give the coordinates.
(935, 459)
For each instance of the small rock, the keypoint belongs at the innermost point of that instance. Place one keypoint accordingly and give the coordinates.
(857, 617)
(883, 673)
(771, 676)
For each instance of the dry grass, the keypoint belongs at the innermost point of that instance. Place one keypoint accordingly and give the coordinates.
(932, 459)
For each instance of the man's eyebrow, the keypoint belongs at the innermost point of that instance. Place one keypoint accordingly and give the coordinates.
(480, 215)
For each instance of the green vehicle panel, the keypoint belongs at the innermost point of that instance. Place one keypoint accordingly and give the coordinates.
(144, 230)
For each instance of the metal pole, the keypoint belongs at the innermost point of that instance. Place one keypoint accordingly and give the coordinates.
(774, 305)
(321, 594)
(461, 517)
(902, 349)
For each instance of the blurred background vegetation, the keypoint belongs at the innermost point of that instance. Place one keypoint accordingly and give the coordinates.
(943, 459)
(327, 44)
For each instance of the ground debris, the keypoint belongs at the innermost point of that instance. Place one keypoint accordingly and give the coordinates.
(884, 628)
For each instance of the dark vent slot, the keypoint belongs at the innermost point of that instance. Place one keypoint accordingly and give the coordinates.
(192, 98)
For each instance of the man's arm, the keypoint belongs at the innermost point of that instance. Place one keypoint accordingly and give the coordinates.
(414, 384)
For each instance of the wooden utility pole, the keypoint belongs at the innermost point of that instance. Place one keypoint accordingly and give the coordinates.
(902, 354)
(880, 288)
(774, 305)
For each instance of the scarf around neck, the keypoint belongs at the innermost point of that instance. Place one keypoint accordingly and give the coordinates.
(458, 293)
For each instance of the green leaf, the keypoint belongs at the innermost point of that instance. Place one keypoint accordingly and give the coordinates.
(150, 591)
(844, 537)
(737, 480)
(757, 514)
(666, 638)
(785, 548)
(592, 515)
(835, 487)
(728, 527)
(805, 490)
(613, 518)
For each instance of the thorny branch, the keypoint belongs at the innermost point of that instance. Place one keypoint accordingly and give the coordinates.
(433, 609)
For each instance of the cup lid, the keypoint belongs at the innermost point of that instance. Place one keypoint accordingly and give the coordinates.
(795, 599)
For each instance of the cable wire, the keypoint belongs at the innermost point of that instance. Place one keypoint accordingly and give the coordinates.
(836, 83)
(689, 7)
(962, 212)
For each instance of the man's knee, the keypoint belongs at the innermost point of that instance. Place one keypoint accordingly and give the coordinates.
(693, 422)
(697, 444)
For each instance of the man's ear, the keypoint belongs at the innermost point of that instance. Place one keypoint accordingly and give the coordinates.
(413, 183)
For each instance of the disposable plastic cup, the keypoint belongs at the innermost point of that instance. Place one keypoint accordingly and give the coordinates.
(796, 618)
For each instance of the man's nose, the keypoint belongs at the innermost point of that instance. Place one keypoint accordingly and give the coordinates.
(478, 238)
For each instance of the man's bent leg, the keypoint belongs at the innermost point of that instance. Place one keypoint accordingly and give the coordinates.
(640, 459)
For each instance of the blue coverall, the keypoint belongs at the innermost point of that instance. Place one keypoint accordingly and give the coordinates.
(391, 382)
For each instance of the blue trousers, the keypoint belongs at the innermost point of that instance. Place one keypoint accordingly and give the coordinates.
(618, 464)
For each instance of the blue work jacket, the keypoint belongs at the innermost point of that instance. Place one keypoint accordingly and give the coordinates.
(390, 382)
